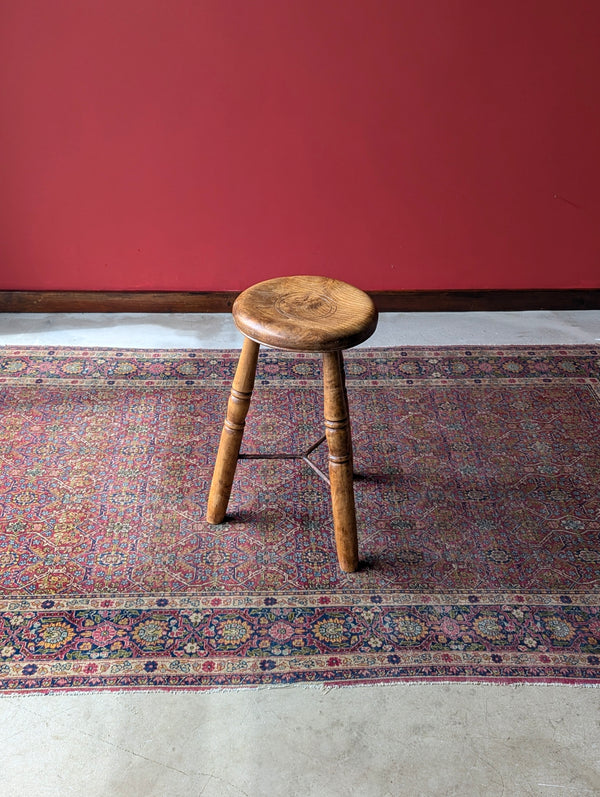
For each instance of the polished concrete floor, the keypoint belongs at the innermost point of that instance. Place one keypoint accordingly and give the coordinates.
(379, 741)
(217, 331)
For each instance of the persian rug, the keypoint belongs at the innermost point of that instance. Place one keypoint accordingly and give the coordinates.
(477, 500)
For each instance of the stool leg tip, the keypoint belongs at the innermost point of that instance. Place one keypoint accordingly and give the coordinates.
(214, 518)
(349, 566)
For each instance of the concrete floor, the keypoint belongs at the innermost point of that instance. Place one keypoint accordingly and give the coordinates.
(420, 739)
(217, 331)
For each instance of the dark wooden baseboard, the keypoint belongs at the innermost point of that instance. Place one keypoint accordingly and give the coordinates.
(486, 300)
(221, 301)
(116, 301)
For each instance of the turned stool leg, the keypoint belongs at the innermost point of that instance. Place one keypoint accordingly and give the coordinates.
(233, 431)
(337, 429)
(343, 372)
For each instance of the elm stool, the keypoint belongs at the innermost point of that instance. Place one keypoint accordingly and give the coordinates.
(304, 314)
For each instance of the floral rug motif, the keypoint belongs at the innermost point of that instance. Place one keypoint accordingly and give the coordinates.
(477, 492)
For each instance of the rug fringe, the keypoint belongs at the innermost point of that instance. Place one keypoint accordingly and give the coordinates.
(321, 687)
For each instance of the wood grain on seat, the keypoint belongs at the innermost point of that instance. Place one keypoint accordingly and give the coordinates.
(305, 314)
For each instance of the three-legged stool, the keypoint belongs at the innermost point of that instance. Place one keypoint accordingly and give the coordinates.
(305, 314)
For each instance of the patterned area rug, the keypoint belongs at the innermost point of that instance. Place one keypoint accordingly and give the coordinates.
(477, 500)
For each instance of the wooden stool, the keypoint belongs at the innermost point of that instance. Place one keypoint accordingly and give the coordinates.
(308, 314)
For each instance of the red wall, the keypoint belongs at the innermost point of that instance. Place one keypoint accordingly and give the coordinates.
(207, 144)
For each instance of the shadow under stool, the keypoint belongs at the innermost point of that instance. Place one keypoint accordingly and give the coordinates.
(302, 314)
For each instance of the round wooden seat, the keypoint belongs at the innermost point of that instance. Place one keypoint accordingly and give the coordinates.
(305, 314)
